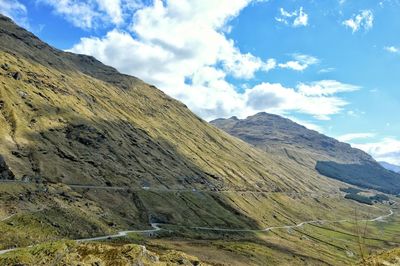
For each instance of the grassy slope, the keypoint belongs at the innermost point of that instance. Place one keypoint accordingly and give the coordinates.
(72, 119)
(72, 128)
(391, 257)
(319, 244)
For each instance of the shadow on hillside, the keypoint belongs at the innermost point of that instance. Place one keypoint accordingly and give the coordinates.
(364, 175)
(117, 153)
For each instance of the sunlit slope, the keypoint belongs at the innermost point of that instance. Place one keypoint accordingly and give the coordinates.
(68, 118)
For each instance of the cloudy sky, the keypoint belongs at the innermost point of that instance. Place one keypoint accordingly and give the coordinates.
(330, 65)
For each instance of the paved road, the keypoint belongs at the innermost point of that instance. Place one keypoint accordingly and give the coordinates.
(258, 192)
(121, 234)
(6, 250)
(157, 228)
(13, 181)
(379, 218)
(98, 187)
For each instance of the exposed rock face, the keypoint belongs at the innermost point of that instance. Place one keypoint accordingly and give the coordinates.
(5, 172)
(84, 134)
(328, 156)
(17, 75)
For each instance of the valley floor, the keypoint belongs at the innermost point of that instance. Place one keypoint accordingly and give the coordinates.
(337, 237)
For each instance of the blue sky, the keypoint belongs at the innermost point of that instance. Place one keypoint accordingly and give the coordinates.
(330, 65)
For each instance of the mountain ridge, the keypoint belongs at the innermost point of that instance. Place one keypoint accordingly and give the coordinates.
(327, 155)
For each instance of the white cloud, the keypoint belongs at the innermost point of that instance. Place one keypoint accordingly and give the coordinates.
(295, 65)
(15, 10)
(325, 88)
(89, 14)
(181, 47)
(113, 9)
(392, 49)
(296, 18)
(276, 98)
(326, 70)
(355, 113)
(301, 19)
(300, 62)
(81, 14)
(355, 136)
(363, 20)
(388, 150)
(269, 65)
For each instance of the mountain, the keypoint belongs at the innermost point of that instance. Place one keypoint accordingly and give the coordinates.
(391, 167)
(68, 118)
(87, 151)
(328, 156)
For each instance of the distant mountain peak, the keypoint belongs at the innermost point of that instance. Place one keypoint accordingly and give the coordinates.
(330, 157)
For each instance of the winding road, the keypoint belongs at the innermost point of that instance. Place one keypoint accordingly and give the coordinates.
(379, 218)
(156, 228)
(121, 234)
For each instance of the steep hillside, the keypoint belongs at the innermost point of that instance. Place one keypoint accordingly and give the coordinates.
(68, 118)
(328, 156)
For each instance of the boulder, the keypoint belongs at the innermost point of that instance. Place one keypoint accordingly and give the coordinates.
(17, 75)
(5, 66)
(5, 172)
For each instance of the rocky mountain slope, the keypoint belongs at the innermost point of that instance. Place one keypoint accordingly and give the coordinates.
(328, 156)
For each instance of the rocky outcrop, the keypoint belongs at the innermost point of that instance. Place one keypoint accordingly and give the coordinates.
(5, 172)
